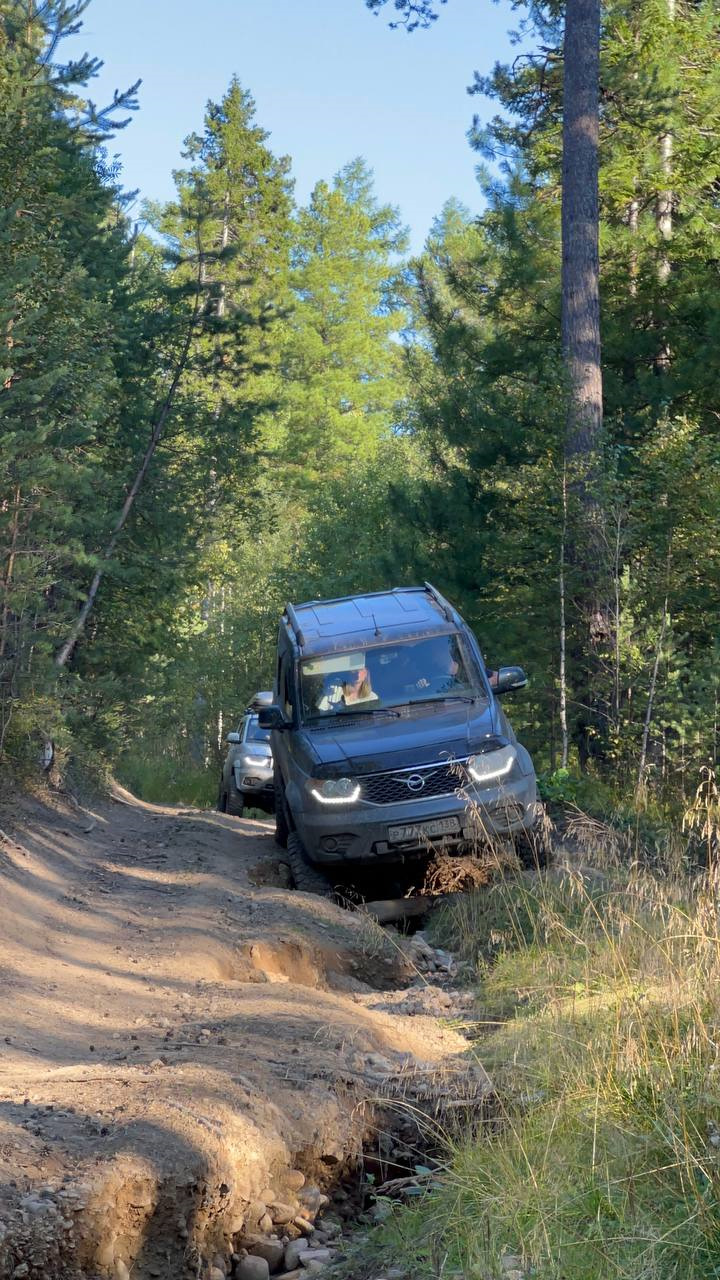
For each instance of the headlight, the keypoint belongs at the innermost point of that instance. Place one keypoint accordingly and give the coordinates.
(492, 766)
(251, 760)
(335, 790)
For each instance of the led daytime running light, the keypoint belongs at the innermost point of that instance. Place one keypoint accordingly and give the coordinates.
(494, 758)
(336, 791)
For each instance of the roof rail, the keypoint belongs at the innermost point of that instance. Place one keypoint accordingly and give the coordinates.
(444, 604)
(295, 624)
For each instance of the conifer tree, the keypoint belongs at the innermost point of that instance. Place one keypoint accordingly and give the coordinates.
(64, 320)
(341, 363)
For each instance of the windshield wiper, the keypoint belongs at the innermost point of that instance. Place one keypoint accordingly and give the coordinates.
(369, 711)
(351, 711)
(445, 697)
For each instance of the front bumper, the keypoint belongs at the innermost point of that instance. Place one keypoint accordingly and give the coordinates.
(361, 832)
(254, 779)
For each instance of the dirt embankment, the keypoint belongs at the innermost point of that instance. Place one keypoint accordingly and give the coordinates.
(191, 1056)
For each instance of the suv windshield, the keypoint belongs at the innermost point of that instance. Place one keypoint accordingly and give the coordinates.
(389, 675)
(255, 733)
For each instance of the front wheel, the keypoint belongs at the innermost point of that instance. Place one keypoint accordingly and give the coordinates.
(306, 878)
(234, 803)
(534, 847)
(282, 822)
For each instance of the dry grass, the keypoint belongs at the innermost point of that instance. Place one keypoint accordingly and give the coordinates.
(601, 994)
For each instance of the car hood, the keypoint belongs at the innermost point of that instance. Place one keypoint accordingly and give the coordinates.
(260, 750)
(418, 737)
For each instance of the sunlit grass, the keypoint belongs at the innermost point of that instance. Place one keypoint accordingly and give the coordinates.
(602, 1004)
(164, 781)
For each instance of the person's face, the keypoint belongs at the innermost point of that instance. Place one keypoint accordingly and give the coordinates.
(353, 685)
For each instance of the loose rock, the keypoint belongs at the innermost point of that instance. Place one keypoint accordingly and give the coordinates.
(252, 1268)
(256, 1210)
(272, 1251)
(293, 1252)
(282, 1213)
(316, 1255)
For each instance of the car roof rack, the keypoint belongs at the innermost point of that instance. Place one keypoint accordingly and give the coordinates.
(444, 604)
(263, 698)
(295, 623)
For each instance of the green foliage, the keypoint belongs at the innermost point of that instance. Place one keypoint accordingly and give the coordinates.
(66, 319)
(163, 780)
(488, 397)
(603, 1157)
(344, 420)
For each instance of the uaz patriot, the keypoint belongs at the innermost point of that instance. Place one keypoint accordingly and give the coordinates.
(389, 737)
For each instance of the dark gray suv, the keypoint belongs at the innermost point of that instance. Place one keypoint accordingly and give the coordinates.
(387, 733)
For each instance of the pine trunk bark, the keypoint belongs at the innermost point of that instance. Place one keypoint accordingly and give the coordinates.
(580, 255)
(586, 551)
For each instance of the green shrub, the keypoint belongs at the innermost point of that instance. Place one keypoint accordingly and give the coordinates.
(164, 781)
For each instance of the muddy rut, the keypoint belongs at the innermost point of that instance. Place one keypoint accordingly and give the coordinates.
(193, 1058)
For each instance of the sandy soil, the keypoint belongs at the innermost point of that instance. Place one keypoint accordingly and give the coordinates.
(177, 1033)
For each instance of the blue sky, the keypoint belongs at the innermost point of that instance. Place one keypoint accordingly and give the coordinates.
(330, 81)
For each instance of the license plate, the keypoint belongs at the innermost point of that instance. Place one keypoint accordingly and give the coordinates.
(424, 830)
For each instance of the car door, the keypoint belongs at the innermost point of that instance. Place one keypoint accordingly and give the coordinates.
(282, 740)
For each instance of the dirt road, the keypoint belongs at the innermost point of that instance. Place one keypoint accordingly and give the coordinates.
(184, 1042)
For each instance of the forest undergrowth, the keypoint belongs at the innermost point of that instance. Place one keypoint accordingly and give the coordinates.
(597, 987)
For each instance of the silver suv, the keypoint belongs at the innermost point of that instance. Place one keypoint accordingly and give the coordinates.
(247, 776)
(389, 735)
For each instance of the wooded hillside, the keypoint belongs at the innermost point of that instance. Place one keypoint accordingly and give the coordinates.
(232, 400)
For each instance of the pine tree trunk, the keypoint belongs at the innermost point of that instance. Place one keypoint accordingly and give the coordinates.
(580, 255)
(587, 551)
(565, 737)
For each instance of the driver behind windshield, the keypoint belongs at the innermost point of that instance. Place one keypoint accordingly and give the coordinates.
(439, 667)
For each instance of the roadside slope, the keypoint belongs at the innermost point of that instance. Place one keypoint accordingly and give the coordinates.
(178, 1033)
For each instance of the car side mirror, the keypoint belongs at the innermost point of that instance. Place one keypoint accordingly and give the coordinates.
(508, 680)
(272, 717)
(234, 737)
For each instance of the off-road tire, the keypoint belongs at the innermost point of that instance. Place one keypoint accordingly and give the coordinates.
(534, 847)
(282, 823)
(306, 878)
(234, 801)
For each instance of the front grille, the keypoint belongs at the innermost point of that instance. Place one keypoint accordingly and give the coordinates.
(392, 788)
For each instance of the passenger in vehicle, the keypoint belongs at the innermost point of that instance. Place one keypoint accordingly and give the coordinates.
(354, 687)
(358, 688)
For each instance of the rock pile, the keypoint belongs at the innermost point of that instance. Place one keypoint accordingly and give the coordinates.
(284, 1235)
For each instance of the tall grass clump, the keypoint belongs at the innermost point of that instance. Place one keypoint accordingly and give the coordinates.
(601, 995)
